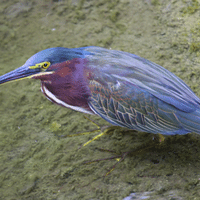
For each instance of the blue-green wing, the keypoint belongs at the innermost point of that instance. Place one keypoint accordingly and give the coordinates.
(133, 92)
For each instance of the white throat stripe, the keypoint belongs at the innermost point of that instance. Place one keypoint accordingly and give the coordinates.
(50, 96)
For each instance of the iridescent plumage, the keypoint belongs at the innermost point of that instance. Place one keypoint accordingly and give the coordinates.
(130, 91)
(122, 88)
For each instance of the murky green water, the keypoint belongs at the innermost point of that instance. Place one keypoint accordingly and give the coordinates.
(35, 162)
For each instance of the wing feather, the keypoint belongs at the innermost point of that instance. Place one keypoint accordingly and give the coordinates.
(135, 93)
(114, 67)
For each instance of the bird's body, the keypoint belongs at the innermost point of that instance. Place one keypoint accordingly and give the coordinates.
(124, 89)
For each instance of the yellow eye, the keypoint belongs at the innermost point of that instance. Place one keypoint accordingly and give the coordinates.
(45, 65)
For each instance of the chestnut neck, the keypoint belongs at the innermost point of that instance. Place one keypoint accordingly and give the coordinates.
(68, 83)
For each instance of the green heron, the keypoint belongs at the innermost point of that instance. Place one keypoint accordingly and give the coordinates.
(122, 88)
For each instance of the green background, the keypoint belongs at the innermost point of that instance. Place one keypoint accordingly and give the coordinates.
(35, 163)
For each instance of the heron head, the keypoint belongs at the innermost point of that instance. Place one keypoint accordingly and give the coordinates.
(41, 63)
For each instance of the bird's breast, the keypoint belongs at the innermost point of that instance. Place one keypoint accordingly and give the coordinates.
(50, 96)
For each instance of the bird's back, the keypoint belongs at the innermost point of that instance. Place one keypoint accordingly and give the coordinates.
(130, 91)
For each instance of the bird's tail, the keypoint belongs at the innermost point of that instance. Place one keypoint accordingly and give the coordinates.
(190, 121)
